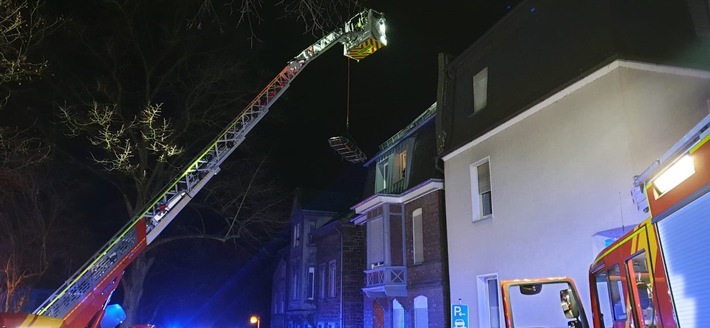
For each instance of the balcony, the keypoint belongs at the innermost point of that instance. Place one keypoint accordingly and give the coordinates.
(386, 281)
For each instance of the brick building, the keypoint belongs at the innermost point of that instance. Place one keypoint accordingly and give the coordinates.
(309, 287)
(340, 258)
(405, 270)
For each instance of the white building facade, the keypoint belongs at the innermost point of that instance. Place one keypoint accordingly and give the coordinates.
(542, 124)
(540, 194)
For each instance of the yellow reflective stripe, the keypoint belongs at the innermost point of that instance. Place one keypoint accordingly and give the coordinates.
(699, 144)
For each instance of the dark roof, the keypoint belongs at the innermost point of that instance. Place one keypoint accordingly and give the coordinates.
(320, 200)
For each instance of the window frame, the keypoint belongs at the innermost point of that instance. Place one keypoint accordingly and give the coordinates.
(296, 234)
(477, 197)
(294, 285)
(332, 273)
(634, 278)
(381, 174)
(322, 281)
(401, 165)
(604, 305)
(311, 289)
(421, 314)
(376, 237)
(417, 236)
(617, 286)
(484, 296)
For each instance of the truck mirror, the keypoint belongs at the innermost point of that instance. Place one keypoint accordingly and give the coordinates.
(530, 289)
(569, 304)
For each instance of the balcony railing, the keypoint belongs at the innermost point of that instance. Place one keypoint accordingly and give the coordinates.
(386, 281)
(398, 187)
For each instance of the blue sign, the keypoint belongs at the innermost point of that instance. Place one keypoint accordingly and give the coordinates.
(459, 316)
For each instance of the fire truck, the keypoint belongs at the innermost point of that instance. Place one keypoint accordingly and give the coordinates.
(654, 275)
(82, 301)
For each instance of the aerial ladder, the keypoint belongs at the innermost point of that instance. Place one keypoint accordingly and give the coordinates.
(80, 302)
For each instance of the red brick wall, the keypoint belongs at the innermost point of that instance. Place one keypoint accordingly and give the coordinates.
(351, 263)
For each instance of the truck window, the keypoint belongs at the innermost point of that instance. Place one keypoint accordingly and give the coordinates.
(541, 308)
(642, 283)
(603, 298)
(618, 304)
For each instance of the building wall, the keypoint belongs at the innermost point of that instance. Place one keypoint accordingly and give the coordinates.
(345, 309)
(278, 295)
(564, 173)
(429, 278)
(353, 262)
(329, 249)
(542, 46)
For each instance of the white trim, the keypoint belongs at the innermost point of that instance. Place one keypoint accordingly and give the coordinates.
(483, 293)
(379, 199)
(576, 86)
(476, 197)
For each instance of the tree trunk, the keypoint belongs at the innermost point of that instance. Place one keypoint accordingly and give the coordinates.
(132, 283)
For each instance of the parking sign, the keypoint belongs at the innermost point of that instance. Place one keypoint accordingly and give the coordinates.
(459, 316)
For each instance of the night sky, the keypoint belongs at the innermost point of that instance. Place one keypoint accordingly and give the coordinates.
(387, 90)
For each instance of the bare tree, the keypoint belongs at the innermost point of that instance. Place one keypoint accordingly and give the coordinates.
(317, 16)
(32, 212)
(22, 28)
(154, 96)
(34, 220)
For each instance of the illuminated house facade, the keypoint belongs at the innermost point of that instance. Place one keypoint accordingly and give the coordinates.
(405, 279)
(313, 283)
(543, 123)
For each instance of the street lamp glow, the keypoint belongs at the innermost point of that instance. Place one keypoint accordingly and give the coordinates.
(255, 320)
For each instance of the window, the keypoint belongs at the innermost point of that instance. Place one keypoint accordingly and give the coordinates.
(480, 90)
(296, 234)
(294, 285)
(637, 268)
(401, 165)
(282, 303)
(331, 279)
(417, 237)
(311, 292)
(481, 196)
(375, 242)
(488, 301)
(275, 305)
(421, 312)
(601, 288)
(382, 174)
(309, 233)
(397, 315)
(321, 280)
(616, 289)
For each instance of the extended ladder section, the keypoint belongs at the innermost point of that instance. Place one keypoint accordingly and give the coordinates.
(362, 35)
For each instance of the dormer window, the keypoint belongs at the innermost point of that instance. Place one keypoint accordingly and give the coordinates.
(382, 174)
(401, 165)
